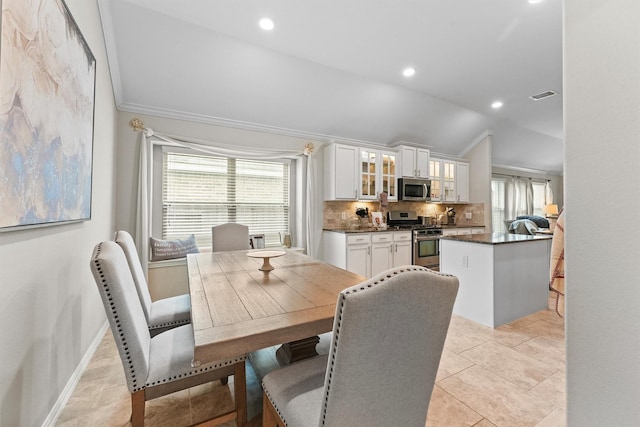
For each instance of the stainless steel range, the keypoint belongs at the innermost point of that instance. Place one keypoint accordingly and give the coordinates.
(426, 238)
(426, 246)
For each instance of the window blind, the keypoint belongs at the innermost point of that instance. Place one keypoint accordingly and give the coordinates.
(498, 192)
(200, 191)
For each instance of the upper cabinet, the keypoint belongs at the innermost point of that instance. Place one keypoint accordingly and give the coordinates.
(415, 162)
(341, 177)
(449, 180)
(353, 173)
(377, 174)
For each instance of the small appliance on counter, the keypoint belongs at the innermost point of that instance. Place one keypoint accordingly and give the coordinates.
(450, 216)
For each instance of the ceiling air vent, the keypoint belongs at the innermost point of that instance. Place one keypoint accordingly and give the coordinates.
(543, 95)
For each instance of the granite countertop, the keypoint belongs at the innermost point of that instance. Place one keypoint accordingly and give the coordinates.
(497, 238)
(362, 230)
(390, 229)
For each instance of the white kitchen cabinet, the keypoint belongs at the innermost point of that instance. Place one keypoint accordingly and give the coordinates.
(449, 180)
(462, 231)
(377, 173)
(359, 259)
(462, 182)
(341, 177)
(367, 254)
(381, 252)
(435, 174)
(389, 174)
(402, 248)
(415, 162)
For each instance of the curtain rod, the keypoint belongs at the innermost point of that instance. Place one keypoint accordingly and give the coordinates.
(518, 176)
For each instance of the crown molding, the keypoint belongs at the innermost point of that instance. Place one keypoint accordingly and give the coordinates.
(238, 124)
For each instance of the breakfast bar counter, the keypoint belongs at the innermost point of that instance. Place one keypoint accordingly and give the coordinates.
(503, 277)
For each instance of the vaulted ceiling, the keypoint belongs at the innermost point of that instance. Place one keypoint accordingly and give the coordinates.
(332, 69)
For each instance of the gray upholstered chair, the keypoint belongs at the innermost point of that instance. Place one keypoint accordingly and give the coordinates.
(229, 237)
(163, 314)
(156, 366)
(388, 336)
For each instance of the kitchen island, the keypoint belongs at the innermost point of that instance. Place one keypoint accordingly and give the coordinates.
(503, 277)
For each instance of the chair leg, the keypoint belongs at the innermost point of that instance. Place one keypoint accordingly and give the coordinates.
(270, 417)
(224, 380)
(137, 408)
(240, 391)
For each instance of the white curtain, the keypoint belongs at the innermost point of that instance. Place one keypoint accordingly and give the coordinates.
(148, 139)
(519, 197)
(548, 193)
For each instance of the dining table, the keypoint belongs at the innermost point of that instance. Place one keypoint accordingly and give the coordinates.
(237, 308)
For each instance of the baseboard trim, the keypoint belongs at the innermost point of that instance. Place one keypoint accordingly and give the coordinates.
(58, 407)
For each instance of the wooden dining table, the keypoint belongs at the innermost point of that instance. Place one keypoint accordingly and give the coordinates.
(237, 309)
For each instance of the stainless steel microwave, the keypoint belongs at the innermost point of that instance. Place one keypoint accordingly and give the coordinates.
(414, 189)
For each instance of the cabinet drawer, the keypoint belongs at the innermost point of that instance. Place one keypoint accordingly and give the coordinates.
(402, 237)
(354, 239)
(381, 237)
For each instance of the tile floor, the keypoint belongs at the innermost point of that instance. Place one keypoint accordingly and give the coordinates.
(511, 376)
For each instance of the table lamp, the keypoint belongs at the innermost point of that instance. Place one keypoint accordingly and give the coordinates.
(550, 210)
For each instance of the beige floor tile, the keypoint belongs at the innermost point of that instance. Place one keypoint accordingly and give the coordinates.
(520, 369)
(446, 410)
(510, 336)
(451, 363)
(495, 398)
(546, 349)
(553, 389)
(557, 418)
(458, 342)
(465, 391)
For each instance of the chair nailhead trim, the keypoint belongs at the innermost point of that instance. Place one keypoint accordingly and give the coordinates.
(198, 371)
(343, 297)
(131, 369)
(172, 323)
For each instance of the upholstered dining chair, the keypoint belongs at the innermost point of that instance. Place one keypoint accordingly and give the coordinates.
(229, 237)
(388, 336)
(159, 365)
(163, 314)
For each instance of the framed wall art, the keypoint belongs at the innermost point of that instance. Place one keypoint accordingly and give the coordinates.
(47, 97)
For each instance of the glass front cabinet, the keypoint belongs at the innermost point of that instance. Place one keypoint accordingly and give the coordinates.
(377, 174)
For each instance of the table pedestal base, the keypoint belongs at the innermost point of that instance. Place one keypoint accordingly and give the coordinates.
(297, 350)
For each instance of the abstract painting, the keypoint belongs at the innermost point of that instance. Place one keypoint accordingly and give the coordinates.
(47, 94)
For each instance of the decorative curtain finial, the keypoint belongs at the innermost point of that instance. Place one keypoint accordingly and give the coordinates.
(137, 124)
(308, 149)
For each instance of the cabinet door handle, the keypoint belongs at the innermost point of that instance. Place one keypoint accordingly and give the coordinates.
(396, 247)
(369, 250)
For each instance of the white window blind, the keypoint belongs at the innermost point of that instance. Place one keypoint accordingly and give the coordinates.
(201, 191)
(498, 192)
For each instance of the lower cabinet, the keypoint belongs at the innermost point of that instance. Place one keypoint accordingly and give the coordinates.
(367, 254)
(462, 231)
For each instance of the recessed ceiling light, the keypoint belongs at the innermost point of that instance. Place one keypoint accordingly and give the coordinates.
(496, 104)
(535, 1)
(266, 24)
(408, 72)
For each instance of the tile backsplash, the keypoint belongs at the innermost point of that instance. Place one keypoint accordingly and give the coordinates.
(340, 214)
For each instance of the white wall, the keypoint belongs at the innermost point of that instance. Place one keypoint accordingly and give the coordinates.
(479, 156)
(602, 154)
(50, 310)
